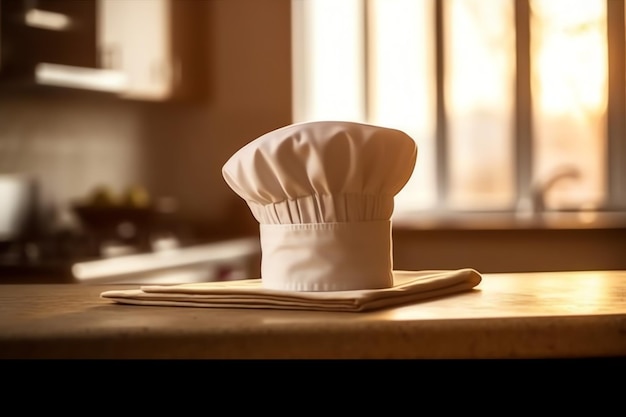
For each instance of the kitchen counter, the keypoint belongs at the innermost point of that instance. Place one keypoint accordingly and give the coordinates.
(513, 315)
(508, 220)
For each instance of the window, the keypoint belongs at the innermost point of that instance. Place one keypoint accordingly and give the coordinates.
(507, 99)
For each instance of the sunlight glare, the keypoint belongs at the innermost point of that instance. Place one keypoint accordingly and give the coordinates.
(571, 56)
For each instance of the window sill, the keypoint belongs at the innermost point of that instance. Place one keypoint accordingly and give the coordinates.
(431, 220)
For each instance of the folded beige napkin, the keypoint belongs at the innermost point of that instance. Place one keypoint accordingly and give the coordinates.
(409, 287)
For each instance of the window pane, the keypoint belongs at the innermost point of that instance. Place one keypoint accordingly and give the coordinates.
(479, 47)
(569, 88)
(328, 60)
(401, 86)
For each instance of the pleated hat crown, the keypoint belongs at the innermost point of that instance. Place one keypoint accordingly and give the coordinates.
(323, 194)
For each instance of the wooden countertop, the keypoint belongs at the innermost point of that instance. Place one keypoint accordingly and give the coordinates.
(520, 315)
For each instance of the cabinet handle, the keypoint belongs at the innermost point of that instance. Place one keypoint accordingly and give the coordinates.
(158, 72)
(111, 57)
(166, 72)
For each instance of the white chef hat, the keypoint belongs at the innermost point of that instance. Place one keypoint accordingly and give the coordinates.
(323, 194)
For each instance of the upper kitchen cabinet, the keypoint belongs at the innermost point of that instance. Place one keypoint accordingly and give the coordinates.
(149, 50)
(49, 31)
(153, 43)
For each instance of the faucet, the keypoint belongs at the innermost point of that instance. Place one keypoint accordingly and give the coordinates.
(541, 188)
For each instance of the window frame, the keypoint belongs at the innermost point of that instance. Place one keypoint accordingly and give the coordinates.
(522, 118)
(616, 106)
(523, 121)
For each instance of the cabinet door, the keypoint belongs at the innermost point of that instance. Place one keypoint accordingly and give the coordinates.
(134, 38)
(51, 31)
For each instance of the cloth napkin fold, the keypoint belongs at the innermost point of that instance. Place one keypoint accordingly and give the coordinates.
(409, 287)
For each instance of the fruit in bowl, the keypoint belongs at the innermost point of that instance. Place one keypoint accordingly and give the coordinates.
(106, 213)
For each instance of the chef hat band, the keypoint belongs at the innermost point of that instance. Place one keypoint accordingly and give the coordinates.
(327, 256)
(323, 195)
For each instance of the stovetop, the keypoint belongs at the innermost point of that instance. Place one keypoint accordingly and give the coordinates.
(78, 259)
(49, 259)
(40, 261)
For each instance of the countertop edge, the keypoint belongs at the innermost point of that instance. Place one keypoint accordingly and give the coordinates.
(472, 338)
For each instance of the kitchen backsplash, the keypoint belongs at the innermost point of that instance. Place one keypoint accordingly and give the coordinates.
(72, 145)
(69, 145)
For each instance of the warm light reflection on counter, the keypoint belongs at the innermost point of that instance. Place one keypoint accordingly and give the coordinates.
(584, 294)
(534, 294)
